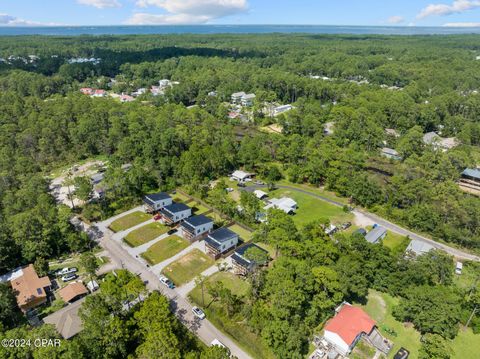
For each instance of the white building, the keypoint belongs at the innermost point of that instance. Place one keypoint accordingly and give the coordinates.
(282, 109)
(241, 176)
(417, 248)
(156, 201)
(260, 194)
(176, 212)
(285, 204)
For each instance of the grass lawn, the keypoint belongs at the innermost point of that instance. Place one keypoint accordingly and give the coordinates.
(379, 307)
(235, 326)
(198, 208)
(145, 234)
(128, 221)
(395, 241)
(164, 249)
(316, 190)
(311, 208)
(178, 197)
(243, 233)
(466, 345)
(470, 273)
(217, 218)
(186, 268)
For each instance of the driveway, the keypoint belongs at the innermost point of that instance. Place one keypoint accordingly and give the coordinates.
(457, 253)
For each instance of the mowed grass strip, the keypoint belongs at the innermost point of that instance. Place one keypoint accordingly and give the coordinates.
(145, 234)
(129, 221)
(246, 235)
(186, 268)
(165, 249)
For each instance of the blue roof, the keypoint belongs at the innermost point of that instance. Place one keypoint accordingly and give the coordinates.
(176, 207)
(222, 235)
(472, 172)
(375, 234)
(156, 197)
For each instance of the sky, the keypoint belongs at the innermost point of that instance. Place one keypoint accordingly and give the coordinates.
(465, 13)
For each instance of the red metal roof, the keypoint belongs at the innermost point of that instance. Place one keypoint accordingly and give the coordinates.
(349, 323)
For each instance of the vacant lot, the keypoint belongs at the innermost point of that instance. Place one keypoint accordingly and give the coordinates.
(394, 241)
(186, 268)
(145, 234)
(128, 221)
(466, 345)
(165, 249)
(311, 208)
(234, 326)
(178, 197)
(379, 307)
(243, 233)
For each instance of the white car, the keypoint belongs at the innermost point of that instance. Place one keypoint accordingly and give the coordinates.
(167, 282)
(198, 312)
(66, 270)
(69, 277)
(229, 189)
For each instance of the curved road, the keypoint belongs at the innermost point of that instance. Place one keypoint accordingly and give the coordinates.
(383, 222)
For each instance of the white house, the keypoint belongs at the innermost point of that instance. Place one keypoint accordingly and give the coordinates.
(196, 226)
(220, 241)
(376, 234)
(285, 204)
(247, 100)
(236, 97)
(156, 201)
(281, 109)
(241, 176)
(260, 194)
(418, 248)
(175, 213)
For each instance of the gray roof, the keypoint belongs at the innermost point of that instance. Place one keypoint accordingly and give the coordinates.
(66, 320)
(430, 137)
(222, 235)
(195, 221)
(472, 172)
(390, 151)
(418, 247)
(97, 177)
(155, 197)
(375, 234)
(176, 207)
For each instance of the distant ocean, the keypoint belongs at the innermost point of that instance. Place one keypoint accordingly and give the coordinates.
(235, 29)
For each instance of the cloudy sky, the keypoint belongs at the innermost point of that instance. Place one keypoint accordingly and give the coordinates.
(173, 12)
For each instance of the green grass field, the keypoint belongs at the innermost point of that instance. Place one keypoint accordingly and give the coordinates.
(466, 345)
(128, 221)
(178, 197)
(395, 241)
(316, 190)
(198, 208)
(235, 326)
(186, 268)
(470, 273)
(311, 208)
(243, 233)
(379, 307)
(165, 249)
(145, 234)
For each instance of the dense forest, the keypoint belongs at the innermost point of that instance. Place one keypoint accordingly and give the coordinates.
(414, 85)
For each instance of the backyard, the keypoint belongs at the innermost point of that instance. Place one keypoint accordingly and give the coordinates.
(245, 234)
(379, 307)
(165, 249)
(395, 241)
(311, 208)
(186, 268)
(466, 345)
(234, 326)
(129, 220)
(198, 208)
(145, 234)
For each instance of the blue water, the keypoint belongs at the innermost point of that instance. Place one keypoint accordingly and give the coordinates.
(234, 29)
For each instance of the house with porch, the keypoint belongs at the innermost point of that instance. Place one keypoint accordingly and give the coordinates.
(196, 227)
(30, 290)
(376, 234)
(220, 241)
(156, 201)
(72, 292)
(241, 176)
(242, 263)
(175, 213)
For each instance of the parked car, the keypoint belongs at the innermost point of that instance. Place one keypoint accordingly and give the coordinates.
(172, 231)
(346, 225)
(66, 270)
(260, 183)
(198, 312)
(157, 217)
(241, 184)
(167, 282)
(69, 277)
(229, 189)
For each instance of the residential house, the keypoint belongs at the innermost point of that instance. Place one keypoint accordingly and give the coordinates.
(348, 326)
(87, 91)
(72, 292)
(139, 92)
(220, 241)
(29, 289)
(126, 98)
(156, 90)
(175, 212)
(97, 178)
(242, 264)
(376, 234)
(66, 320)
(260, 194)
(391, 153)
(236, 97)
(281, 109)
(99, 93)
(241, 176)
(417, 248)
(328, 128)
(470, 181)
(285, 204)
(156, 201)
(440, 143)
(196, 226)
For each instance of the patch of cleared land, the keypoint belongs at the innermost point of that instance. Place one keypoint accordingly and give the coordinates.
(165, 249)
(145, 234)
(379, 307)
(242, 232)
(129, 220)
(186, 268)
(198, 208)
(394, 240)
(466, 345)
(234, 326)
(178, 197)
(311, 208)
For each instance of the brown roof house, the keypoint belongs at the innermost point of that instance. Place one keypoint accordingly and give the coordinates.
(30, 290)
(72, 292)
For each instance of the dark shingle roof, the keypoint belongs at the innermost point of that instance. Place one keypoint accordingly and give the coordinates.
(472, 172)
(239, 254)
(374, 235)
(176, 207)
(196, 221)
(222, 235)
(155, 197)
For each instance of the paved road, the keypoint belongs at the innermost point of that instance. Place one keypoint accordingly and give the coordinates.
(205, 330)
(385, 223)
